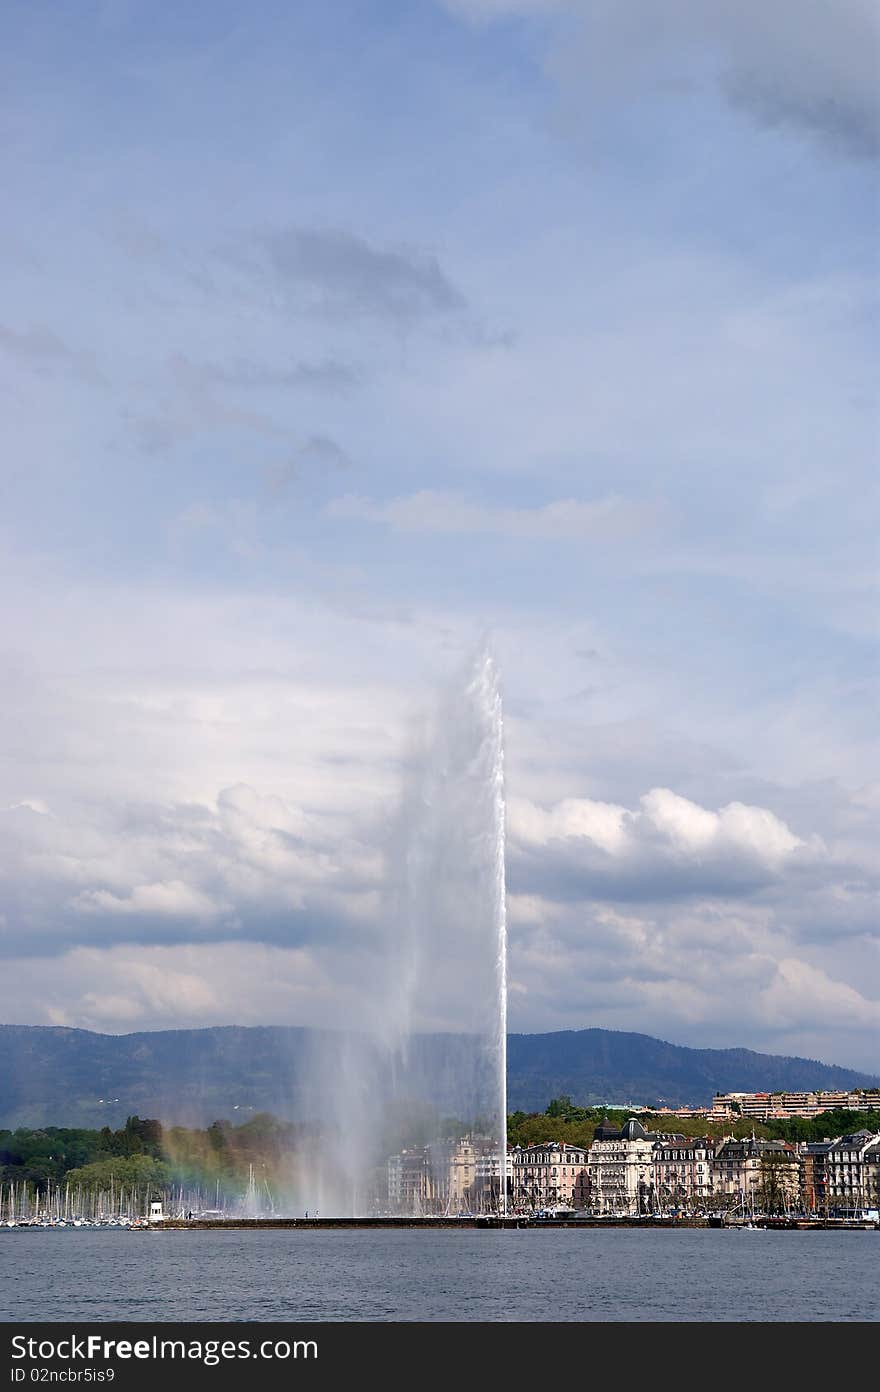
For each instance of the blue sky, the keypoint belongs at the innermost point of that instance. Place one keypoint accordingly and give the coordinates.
(336, 336)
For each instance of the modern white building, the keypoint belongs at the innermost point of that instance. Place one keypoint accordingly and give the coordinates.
(853, 1173)
(762, 1105)
(409, 1182)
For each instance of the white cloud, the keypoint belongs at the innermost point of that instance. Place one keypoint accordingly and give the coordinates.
(606, 519)
(692, 829)
(122, 988)
(600, 822)
(252, 865)
(801, 992)
(723, 972)
(168, 899)
(668, 845)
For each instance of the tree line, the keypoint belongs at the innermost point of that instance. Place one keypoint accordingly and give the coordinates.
(567, 1123)
(144, 1151)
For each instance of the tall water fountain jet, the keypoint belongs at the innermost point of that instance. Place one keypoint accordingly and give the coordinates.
(455, 903)
(426, 1065)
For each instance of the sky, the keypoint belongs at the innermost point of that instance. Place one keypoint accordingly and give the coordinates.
(336, 337)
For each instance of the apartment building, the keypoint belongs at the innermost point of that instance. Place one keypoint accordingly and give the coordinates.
(762, 1175)
(682, 1174)
(620, 1168)
(548, 1175)
(854, 1173)
(813, 1166)
(761, 1105)
(410, 1187)
(450, 1176)
(465, 1175)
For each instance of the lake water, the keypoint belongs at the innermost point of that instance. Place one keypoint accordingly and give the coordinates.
(452, 1274)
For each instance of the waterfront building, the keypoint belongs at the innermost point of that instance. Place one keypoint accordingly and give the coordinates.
(682, 1174)
(465, 1175)
(410, 1187)
(488, 1177)
(854, 1173)
(449, 1176)
(620, 1169)
(762, 1176)
(813, 1176)
(548, 1175)
(453, 1168)
(871, 1162)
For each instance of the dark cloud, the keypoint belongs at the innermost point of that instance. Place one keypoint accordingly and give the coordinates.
(193, 406)
(853, 129)
(254, 870)
(319, 452)
(567, 872)
(41, 348)
(805, 64)
(320, 449)
(317, 922)
(343, 274)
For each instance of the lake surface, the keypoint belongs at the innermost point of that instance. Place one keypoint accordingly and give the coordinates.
(558, 1274)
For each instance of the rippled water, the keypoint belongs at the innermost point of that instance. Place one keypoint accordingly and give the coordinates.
(558, 1274)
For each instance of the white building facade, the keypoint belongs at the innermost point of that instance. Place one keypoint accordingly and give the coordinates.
(620, 1169)
(853, 1173)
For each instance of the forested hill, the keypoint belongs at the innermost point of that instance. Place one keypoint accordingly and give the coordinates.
(595, 1065)
(68, 1077)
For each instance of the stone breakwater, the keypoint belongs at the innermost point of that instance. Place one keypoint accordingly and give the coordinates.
(487, 1222)
(375, 1224)
(383, 1224)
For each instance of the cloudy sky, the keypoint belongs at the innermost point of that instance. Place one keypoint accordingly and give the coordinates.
(336, 336)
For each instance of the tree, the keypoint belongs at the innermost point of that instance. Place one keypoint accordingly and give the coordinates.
(144, 1133)
(774, 1185)
(134, 1171)
(560, 1107)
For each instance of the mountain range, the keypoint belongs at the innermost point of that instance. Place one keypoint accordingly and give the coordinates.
(52, 1075)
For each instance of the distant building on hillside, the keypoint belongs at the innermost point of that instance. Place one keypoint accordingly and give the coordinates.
(681, 1112)
(759, 1106)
